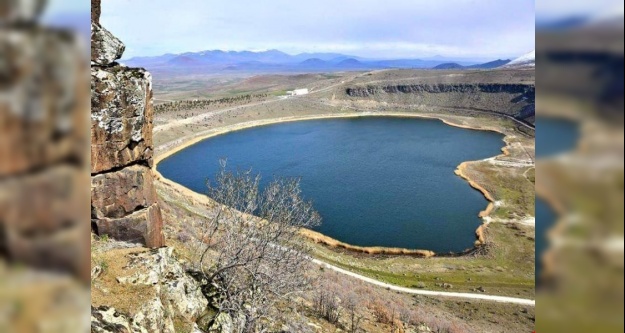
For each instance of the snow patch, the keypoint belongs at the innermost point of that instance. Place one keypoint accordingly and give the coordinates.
(526, 60)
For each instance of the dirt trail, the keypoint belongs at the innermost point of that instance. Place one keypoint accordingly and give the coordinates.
(501, 299)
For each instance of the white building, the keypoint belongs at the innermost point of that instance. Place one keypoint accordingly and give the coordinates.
(297, 92)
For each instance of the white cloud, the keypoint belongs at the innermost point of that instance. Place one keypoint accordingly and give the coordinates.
(371, 28)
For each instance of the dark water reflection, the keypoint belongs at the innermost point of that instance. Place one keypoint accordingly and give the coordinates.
(375, 181)
(553, 137)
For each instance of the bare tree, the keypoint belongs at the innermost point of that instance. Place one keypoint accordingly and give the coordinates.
(327, 304)
(352, 303)
(252, 255)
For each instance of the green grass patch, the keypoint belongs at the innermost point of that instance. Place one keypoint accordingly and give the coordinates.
(508, 269)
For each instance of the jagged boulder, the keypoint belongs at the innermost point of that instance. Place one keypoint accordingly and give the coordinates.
(225, 323)
(105, 48)
(121, 118)
(222, 324)
(174, 296)
(121, 193)
(161, 269)
(143, 226)
(107, 320)
(153, 317)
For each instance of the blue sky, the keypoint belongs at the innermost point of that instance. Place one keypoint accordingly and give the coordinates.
(367, 28)
(64, 7)
(559, 9)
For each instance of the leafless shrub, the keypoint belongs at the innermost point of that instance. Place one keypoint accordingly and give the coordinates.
(252, 242)
(396, 311)
(353, 302)
(388, 313)
(326, 304)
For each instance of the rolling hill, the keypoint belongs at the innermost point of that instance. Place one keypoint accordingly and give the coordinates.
(215, 61)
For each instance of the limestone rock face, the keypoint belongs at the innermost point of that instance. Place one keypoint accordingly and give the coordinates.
(143, 226)
(178, 290)
(152, 317)
(121, 117)
(222, 324)
(120, 193)
(176, 296)
(440, 88)
(225, 323)
(95, 11)
(105, 48)
(108, 320)
(123, 199)
(511, 99)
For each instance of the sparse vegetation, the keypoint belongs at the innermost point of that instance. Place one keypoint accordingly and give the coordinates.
(326, 304)
(252, 263)
(197, 104)
(357, 307)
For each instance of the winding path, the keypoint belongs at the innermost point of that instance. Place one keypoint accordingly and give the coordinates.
(501, 299)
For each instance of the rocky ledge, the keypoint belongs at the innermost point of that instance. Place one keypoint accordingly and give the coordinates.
(366, 91)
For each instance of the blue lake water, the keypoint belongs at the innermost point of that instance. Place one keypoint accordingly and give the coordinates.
(553, 136)
(545, 219)
(376, 181)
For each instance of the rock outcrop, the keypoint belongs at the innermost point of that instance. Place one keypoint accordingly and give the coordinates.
(121, 118)
(96, 10)
(510, 99)
(118, 194)
(172, 296)
(105, 48)
(44, 158)
(442, 88)
(123, 198)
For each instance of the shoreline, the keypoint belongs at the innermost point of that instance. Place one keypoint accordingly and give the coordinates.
(313, 235)
(479, 232)
(320, 238)
(547, 258)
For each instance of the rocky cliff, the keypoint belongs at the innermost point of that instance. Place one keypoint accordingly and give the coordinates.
(133, 289)
(511, 99)
(43, 156)
(123, 199)
(526, 90)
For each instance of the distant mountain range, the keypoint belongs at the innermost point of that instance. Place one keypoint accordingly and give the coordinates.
(486, 65)
(277, 61)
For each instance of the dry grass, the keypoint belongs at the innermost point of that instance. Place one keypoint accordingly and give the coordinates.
(105, 290)
(319, 238)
